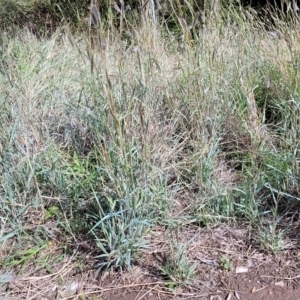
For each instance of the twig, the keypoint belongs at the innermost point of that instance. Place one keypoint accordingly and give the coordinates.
(255, 291)
(137, 285)
(35, 278)
(118, 288)
(283, 278)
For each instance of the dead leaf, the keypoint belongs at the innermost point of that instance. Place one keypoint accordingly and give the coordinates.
(209, 261)
(250, 263)
(70, 288)
(241, 270)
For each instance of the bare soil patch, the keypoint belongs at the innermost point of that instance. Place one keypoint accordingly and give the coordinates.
(229, 266)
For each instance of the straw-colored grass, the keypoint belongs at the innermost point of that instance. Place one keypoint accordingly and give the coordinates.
(101, 143)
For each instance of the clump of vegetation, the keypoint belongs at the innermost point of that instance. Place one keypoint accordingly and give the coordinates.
(107, 136)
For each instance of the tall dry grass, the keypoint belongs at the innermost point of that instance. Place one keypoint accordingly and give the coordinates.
(107, 140)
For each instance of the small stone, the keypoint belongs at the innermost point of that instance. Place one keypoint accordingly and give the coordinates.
(279, 283)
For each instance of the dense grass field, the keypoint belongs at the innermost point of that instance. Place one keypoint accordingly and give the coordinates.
(107, 139)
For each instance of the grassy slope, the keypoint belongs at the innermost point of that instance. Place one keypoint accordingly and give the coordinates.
(104, 144)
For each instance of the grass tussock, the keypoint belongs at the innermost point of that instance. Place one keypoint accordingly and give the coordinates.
(101, 142)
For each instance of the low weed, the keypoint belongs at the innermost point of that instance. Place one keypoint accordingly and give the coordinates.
(226, 264)
(176, 265)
